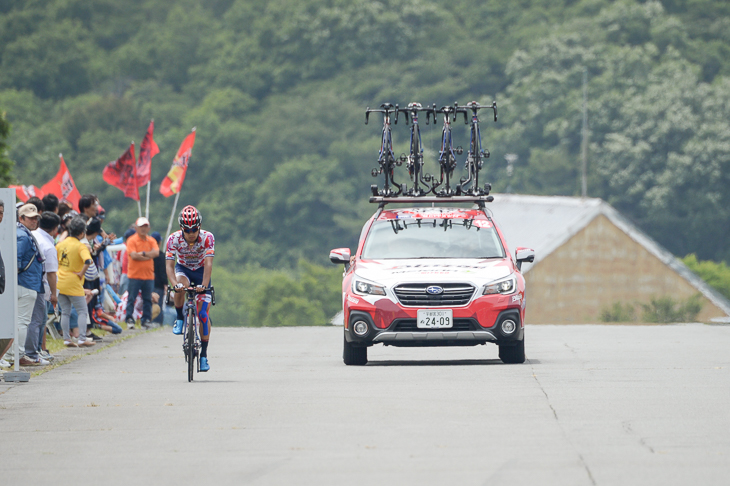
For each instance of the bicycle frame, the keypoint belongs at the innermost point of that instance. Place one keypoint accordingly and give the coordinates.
(386, 157)
(414, 160)
(190, 333)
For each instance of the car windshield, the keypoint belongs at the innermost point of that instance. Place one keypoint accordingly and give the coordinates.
(432, 238)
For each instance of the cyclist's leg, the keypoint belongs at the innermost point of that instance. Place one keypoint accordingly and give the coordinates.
(179, 299)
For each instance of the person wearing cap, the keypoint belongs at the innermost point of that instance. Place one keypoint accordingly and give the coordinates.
(30, 278)
(141, 250)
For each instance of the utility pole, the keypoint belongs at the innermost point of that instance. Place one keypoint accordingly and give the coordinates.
(584, 144)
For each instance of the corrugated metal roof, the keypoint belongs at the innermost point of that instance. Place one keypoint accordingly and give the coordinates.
(544, 223)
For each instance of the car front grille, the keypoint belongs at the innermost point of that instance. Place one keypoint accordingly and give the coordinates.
(410, 325)
(415, 295)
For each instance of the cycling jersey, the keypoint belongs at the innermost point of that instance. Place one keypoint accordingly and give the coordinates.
(191, 257)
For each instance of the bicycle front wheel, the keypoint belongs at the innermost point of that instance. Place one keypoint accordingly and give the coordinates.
(190, 339)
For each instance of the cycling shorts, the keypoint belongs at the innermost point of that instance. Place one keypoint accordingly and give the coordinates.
(194, 276)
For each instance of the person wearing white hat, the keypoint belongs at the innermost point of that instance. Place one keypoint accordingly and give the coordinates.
(142, 250)
(30, 278)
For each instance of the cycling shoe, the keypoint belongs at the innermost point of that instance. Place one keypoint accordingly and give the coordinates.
(177, 327)
(204, 366)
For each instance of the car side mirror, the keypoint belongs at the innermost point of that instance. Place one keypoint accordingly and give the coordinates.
(340, 256)
(524, 255)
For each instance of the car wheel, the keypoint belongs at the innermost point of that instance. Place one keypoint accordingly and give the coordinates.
(514, 354)
(354, 355)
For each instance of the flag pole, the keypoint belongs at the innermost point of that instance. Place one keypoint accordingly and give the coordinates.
(147, 209)
(139, 208)
(172, 216)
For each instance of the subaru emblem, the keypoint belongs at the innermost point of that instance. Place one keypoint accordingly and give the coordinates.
(434, 290)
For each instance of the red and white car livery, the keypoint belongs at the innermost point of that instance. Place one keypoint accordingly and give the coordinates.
(433, 277)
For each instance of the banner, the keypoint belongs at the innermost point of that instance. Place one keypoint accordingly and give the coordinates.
(147, 149)
(122, 174)
(62, 185)
(26, 192)
(172, 183)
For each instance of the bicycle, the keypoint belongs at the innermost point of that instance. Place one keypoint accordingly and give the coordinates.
(447, 154)
(476, 154)
(191, 340)
(386, 158)
(414, 160)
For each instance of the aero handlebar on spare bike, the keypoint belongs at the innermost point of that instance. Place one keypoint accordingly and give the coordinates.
(386, 108)
(475, 107)
(414, 108)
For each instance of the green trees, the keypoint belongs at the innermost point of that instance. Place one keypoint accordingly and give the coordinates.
(5, 163)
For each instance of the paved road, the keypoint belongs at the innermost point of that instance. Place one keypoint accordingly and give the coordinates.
(606, 405)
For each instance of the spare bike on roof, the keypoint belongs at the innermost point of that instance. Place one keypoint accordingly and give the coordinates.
(475, 157)
(414, 160)
(447, 154)
(386, 158)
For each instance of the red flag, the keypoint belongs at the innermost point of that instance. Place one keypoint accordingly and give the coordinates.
(147, 150)
(26, 192)
(63, 186)
(122, 173)
(172, 183)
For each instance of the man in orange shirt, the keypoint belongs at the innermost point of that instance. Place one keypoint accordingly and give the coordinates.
(142, 250)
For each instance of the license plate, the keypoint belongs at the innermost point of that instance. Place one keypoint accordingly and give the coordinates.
(435, 319)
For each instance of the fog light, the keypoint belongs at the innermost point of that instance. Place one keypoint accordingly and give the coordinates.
(508, 326)
(360, 328)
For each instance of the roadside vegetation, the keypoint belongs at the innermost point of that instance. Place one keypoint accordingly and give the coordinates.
(277, 90)
(659, 310)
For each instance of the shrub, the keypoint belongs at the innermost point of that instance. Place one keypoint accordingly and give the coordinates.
(717, 275)
(666, 309)
(618, 312)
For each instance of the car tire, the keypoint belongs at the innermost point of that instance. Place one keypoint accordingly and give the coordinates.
(354, 355)
(514, 354)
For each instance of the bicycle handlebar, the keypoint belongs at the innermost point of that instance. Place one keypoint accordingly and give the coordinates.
(475, 107)
(386, 108)
(412, 108)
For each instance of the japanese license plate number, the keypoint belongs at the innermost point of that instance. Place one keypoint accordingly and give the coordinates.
(435, 319)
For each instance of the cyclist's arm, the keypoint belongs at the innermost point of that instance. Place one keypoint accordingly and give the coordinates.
(207, 270)
(170, 268)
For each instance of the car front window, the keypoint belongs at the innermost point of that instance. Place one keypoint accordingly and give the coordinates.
(432, 238)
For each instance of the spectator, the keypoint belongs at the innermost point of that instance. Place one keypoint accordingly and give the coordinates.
(89, 205)
(142, 249)
(4, 343)
(44, 236)
(62, 231)
(64, 208)
(160, 287)
(92, 277)
(124, 255)
(74, 260)
(38, 203)
(50, 203)
(30, 278)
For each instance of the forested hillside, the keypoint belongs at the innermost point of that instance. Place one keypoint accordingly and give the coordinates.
(277, 90)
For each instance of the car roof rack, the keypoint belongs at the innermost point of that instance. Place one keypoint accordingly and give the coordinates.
(480, 201)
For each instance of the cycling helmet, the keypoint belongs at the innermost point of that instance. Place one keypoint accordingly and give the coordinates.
(190, 218)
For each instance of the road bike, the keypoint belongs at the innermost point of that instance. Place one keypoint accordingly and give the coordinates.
(386, 158)
(191, 339)
(475, 158)
(414, 160)
(447, 153)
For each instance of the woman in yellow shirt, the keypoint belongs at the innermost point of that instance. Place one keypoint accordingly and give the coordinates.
(73, 261)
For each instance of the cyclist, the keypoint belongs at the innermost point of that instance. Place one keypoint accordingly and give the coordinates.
(189, 261)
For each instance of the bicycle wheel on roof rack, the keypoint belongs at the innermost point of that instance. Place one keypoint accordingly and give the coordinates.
(190, 341)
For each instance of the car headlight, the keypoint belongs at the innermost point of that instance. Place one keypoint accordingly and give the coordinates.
(365, 288)
(503, 286)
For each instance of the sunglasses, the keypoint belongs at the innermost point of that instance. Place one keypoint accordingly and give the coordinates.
(190, 230)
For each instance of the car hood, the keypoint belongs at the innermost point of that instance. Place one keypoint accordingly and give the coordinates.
(394, 272)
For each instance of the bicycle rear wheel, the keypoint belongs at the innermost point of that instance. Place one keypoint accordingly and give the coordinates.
(190, 340)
